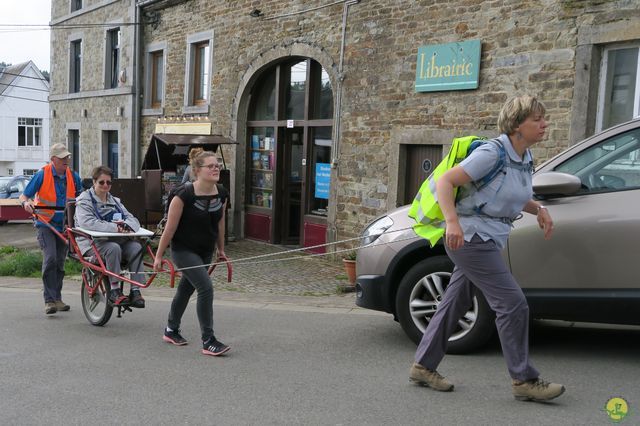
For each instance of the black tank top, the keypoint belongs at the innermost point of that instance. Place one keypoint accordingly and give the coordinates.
(198, 227)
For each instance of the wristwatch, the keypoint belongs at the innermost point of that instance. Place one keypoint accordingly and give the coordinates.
(540, 208)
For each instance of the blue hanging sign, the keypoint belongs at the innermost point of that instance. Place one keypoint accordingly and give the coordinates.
(451, 66)
(323, 180)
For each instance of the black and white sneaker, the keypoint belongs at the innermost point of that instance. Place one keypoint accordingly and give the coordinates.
(214, 348)
(174, 338)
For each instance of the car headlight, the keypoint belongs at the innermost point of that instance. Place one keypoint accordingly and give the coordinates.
(375, 229)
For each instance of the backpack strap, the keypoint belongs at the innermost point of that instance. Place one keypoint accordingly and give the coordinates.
(498, 168)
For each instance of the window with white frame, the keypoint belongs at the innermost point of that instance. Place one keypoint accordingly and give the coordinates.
(199, 68)
(112, 61)
(29, 172)
(29, 131)
(10, 172)
(75, 66)
(619, 94)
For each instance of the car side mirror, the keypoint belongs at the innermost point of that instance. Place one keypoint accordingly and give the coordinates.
(13, 188)
(556, 183)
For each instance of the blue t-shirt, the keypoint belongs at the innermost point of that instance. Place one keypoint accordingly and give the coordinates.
(505, 196)
(60, 183)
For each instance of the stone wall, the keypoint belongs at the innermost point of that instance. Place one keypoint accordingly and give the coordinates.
(527, 47)
(94, 108)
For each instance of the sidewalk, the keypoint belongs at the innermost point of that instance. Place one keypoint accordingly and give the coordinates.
(295, 280)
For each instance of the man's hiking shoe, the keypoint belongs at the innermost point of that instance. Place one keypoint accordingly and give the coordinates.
(425, 377)
(214, 348)
(174, 338)
(536, 390)
(135, 299)
(50, 308)
(61, 306)
(116, 298)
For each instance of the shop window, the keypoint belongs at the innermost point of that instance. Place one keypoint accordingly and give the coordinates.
(322, 94)
(296, 91)
(75, 66)
(289, 164)
(619, 97)
(320, 170)
(264, 105)
(29, 131)
(112, 61)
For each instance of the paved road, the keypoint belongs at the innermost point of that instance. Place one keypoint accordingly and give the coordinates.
(285, 367)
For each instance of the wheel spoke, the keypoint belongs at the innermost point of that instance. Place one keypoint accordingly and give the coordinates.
(429, 286)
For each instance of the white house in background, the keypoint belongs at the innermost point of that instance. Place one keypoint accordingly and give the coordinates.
(24, 119)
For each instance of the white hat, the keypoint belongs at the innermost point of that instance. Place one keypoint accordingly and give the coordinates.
(59, 150)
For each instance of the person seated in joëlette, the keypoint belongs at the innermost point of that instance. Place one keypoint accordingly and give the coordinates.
(98, 210)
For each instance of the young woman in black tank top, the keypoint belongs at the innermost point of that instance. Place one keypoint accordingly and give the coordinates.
(195, 228)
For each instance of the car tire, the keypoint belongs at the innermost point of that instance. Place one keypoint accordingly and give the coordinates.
(415, 306)
(3, 222)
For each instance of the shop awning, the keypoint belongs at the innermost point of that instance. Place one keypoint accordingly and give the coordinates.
(167, 150)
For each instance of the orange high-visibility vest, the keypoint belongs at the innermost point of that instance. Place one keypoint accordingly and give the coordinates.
(46, 195)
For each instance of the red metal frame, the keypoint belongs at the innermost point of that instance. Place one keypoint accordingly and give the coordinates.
(69, 237)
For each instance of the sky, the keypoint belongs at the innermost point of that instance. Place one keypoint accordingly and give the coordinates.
(23, 44)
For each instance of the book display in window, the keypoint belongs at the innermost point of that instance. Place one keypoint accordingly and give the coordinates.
(262, 155)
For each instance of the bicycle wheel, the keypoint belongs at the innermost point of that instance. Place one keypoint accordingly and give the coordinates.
(96, 307)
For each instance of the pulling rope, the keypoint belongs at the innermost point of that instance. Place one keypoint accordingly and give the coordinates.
(255, 259)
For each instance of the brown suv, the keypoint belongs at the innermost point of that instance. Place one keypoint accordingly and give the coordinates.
(588, 272)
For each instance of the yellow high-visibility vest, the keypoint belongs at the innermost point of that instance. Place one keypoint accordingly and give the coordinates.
(425, 209)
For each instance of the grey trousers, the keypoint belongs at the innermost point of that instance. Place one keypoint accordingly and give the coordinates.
(114, 251)
(54, 253)
(196, 279)
(480, 264)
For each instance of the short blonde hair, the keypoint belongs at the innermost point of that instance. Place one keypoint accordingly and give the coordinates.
(516, 110)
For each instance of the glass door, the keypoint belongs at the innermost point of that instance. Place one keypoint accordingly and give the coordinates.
(293, 185)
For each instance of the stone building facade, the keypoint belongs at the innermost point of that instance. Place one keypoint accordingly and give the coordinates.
(320, 95)
(92, 83)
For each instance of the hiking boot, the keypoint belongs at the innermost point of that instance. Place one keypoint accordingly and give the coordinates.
(174, 338)
(425, 377)
(61, 306)
(536, 390)
(116, 298)
(50, 308)
(213, 347)
(135, 298)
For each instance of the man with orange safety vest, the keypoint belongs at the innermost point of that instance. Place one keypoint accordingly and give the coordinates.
(52, 186)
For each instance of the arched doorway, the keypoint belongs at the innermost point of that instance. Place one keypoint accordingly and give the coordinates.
(289, 126)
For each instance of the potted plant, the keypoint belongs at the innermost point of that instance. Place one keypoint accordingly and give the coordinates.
(349, 262)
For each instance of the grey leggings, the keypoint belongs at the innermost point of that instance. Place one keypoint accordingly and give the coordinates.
(193, 279)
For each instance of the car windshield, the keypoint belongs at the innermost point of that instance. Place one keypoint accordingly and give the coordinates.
(4, 182)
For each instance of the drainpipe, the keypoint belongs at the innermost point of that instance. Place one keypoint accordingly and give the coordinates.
(332, 231)
(336, 139)
(137, 54)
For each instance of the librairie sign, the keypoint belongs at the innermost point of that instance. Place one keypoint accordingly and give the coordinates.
(451, 66)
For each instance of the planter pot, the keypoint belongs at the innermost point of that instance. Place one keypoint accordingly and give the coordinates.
(350, 268)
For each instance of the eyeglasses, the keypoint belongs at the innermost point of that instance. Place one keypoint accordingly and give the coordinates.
(104, 182)
(213, 166)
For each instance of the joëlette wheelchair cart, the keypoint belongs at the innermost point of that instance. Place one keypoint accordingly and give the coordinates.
(95, 288)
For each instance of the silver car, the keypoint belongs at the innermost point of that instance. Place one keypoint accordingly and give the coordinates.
(588, 272)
